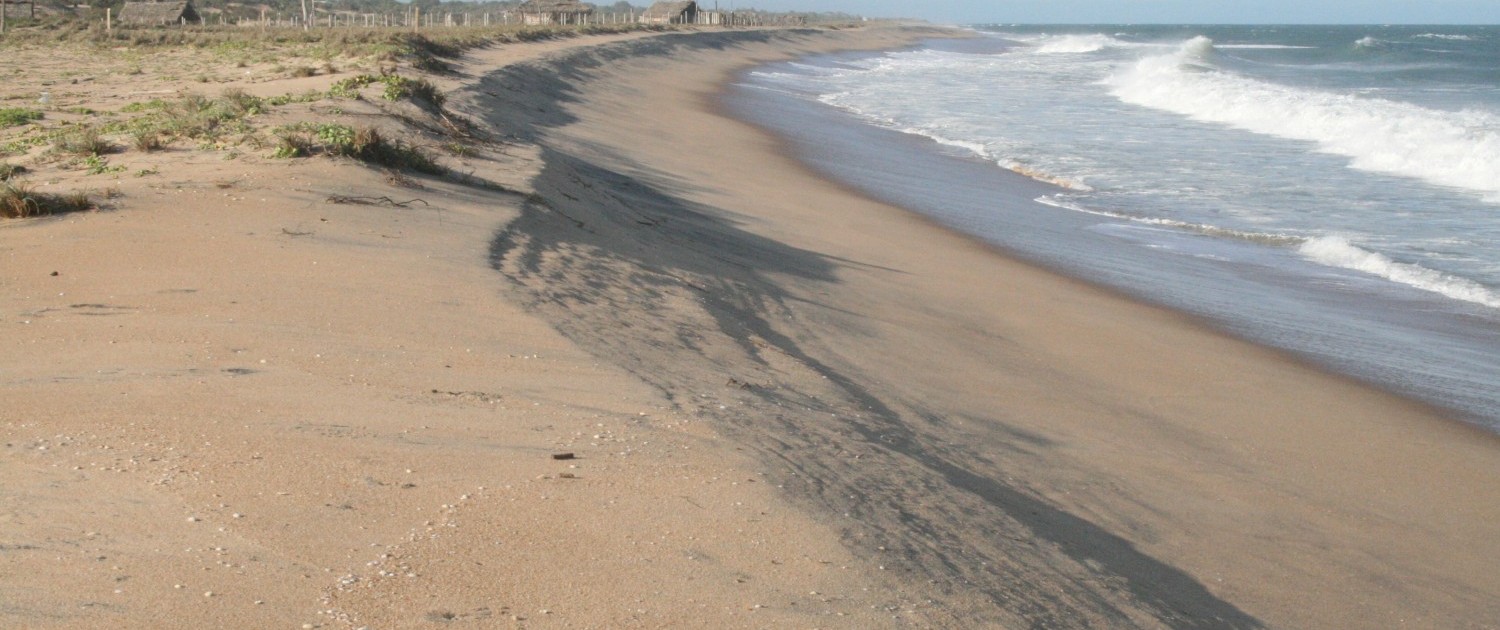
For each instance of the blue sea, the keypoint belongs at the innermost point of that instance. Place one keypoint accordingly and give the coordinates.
(1330, 191)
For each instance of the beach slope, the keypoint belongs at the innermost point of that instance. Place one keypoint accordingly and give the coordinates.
(631, 364)
(1013, 446)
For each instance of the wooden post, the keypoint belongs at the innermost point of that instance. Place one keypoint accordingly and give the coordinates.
(416, 24)
(2, 14)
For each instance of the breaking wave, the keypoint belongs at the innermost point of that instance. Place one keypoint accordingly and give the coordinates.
(1077, 44)
(1449, 148)
(1330, 251)
(1336, 251)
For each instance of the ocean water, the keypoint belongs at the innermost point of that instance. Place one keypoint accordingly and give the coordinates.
(1331, 191)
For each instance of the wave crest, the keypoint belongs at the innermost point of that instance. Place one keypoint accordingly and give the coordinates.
(1330, 251)
(1445, 36)
(1336, 251)
(1459, 149)
(1076, 44)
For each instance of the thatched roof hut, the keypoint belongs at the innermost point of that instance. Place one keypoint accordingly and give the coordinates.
(671, 13)
(40, 8)
(158, 13)
(554, 12)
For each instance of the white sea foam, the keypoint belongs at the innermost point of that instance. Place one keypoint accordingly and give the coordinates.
(937, 134)
(978, 149)
(1456, 38)
(1369, 42)
(1077, 44)
(983, 152)
(1263, 238)
(1336, 251)
(816, 69)
(1332, 251)
(1261, 47)
(1460, 149)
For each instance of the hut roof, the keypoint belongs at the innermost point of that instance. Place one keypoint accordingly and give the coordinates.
(43, 7)
(157, 12)
(668, 9)
(555, 6)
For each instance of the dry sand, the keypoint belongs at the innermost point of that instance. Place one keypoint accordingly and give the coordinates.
(237, 404)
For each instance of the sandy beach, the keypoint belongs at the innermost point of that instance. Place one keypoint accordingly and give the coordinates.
(260, 392)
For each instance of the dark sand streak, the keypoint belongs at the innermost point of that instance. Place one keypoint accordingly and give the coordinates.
(606, 247)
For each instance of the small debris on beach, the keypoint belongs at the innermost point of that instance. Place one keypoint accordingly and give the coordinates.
(561, 456)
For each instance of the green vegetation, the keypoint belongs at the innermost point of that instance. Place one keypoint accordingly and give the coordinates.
(141, 106)
(24, 144)
(239, 104)
(305, 97)
(293, 143)
(397, 87)
(364, 144)
(338, 138)
(13, 116)
(147, 139)
(18, 201)
(82, 142)
(227, 122)
(349, 88)
(99, 165)
(193, 116)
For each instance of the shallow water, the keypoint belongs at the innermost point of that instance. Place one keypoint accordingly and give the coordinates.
(1322, 190)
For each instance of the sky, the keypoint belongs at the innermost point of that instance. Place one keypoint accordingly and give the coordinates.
(1152, 11)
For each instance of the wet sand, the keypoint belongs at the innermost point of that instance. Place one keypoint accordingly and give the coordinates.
(1024, 448)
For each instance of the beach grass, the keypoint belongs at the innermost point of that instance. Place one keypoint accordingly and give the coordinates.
(15, 116)
(18, 201)
(81, 141)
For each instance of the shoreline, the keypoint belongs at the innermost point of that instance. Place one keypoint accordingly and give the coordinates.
(788, 149)
(1266, 296)
(1299, 436)
(787, 403)
(1201, 322)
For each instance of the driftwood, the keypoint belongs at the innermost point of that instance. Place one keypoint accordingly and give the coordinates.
(375, 201)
